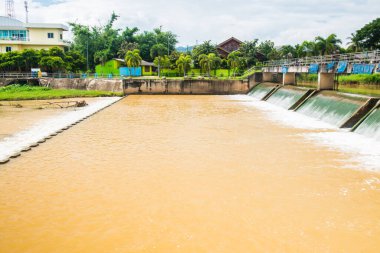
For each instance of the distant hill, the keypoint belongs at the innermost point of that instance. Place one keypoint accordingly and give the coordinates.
(184, 49)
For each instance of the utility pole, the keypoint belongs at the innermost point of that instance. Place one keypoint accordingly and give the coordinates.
(87, 54)
(26, 11)
(10, 9)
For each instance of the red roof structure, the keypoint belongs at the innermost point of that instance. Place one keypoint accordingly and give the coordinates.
(228, 46)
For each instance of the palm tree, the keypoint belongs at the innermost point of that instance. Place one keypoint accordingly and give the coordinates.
(157, 52)
(354, 43)
(184, 63)
(234, 60)
(133, 59)
(208, 62)
(327, 45)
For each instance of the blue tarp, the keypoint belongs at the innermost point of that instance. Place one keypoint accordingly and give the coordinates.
(124, 71)
(285, 69)
(313, 69)
(378, 68)
(330, 66)
(342, 66)
(363, 68)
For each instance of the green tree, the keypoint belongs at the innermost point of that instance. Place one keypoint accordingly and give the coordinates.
(249, 52)
(133, 59)
(369, 36)
(234, 61)
(209, 62)
(354, 44)
(157, 52)
(204, 48)
(328, 45)
(30, 58)
(52, 63)
(75, 62)
(184, 63)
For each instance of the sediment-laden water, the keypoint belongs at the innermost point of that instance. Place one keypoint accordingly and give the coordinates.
(189, 174)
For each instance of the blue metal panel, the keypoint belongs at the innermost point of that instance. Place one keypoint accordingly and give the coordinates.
(285, 69)
(330, 66)
(342, 66)
(124, 71)
(363, 68)
(314, 68)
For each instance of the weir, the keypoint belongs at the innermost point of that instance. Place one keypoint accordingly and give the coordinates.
(262, 90)
(370, 126)
(287, 96)
(331, 107)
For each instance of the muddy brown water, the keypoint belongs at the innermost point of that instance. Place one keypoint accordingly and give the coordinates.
(16, 116)
(186, 174)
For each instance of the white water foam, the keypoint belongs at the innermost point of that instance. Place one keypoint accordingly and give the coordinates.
(364, 152)
(14, 144)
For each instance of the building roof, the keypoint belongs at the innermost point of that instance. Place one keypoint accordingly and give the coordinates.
(46, 25)
(230, 39)
(14, 24)
(143, 63)
(11, 24)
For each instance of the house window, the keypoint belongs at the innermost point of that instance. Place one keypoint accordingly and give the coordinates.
(146, 69)
(61, 36)
(50, 35)
(8, 49)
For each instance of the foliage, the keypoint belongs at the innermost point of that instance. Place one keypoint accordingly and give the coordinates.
(368, 37)
(234, 61)
(209, 62)
(133, 58)
(25, 92)
(157, 52)
(249, 52)
(184, 63)
(54, 59)
(329, 45)
(205, 48)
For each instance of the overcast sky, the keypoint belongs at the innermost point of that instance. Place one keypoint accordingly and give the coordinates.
(282, 21)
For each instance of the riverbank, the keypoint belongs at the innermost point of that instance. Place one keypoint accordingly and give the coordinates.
(25, 92)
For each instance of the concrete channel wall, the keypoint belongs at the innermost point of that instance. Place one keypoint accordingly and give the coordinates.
(147, 86)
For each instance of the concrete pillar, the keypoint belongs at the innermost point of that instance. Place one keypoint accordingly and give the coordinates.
(288, 78)
(326, 81)
(267, 77)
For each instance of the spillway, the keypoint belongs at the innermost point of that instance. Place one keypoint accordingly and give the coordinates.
(332, 107)
(287, 96)
(370, 127)
(261, 90)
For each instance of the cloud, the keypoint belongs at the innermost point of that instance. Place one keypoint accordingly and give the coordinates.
(283, 21)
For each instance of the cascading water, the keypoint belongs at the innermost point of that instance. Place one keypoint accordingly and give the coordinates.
(370, 127)
(331, 108)
(286, 96)
(261, 90)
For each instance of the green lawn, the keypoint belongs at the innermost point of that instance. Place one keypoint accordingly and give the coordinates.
(24, 92)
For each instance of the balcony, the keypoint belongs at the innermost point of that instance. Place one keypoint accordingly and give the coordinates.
(14, 38)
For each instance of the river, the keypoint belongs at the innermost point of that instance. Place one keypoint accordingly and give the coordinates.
(187, 174)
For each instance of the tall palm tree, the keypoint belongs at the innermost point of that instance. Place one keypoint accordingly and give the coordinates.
(208, 62)
(328, 45)
(234, 61)
(184, 63)
(354, 43)
(133, 59)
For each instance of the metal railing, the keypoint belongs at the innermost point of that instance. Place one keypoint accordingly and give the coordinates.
(360, 57)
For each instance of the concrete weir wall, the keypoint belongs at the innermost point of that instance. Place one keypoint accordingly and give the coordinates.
(113, 85)
(190, 86)
(153, 86)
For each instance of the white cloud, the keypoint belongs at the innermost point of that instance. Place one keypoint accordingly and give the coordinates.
(283, 21)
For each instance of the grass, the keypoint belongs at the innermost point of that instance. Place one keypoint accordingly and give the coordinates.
(25, 92)
(360, 90)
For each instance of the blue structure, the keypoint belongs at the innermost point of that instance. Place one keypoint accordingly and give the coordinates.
(363, 68)
(285, 69)
(330, 66)
(342, 66)
(313, 69)
(124, 71)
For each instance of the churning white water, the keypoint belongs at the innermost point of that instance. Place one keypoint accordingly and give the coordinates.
(363, 150)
